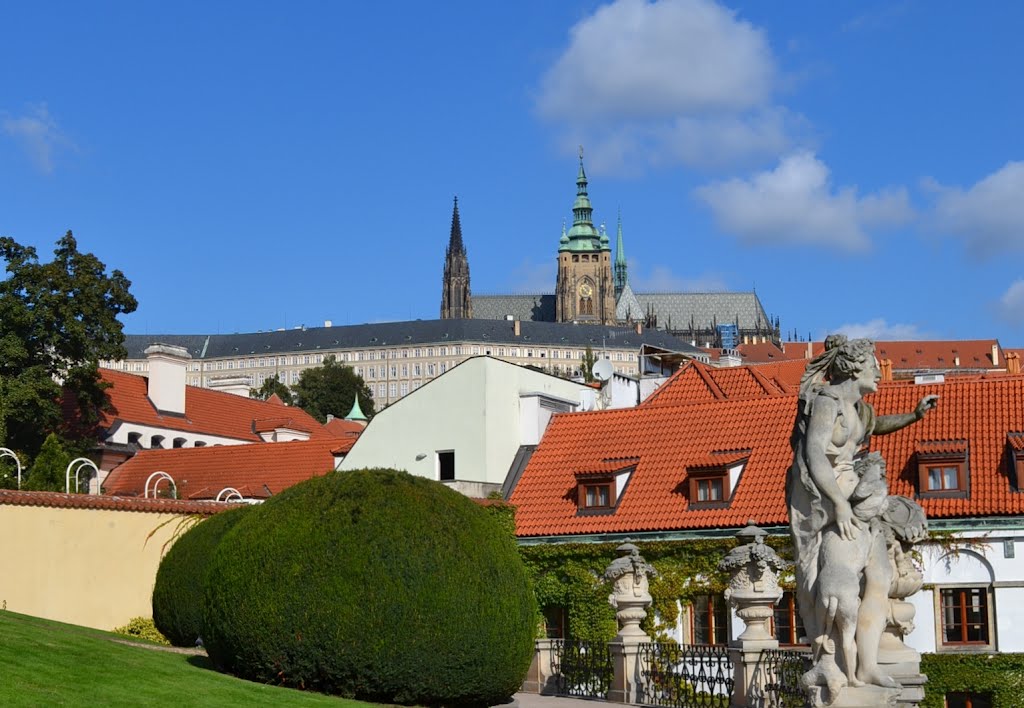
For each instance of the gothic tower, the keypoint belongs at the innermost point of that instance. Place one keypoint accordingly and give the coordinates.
(455, 300)
(584, 291)
(620, 262)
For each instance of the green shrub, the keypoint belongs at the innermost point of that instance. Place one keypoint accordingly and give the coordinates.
(999, 676)
(373, 584)
(178, 591)
(142, 628)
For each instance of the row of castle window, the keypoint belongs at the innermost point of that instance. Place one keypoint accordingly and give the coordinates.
(314, 359)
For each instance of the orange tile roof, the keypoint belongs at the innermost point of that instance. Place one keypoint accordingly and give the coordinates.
(341, 428)
(700, 382)
(669, 439)
(256, 470)
(210, 412)
(927, 355)
(767, 352)
(91, 501)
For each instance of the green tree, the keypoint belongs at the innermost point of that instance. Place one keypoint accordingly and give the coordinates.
(269, 388)
(587, 364)
(58, 320)
(331, 389)
(49, 469)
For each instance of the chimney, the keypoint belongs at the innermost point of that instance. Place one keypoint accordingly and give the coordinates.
(330, 417)
(995, 354)
(516, 328)
(886, 366)
(238, 385)
(1013, 363)
(810, 350)
(956, 360)
(730, 357)
(167, 367)
(639, 327)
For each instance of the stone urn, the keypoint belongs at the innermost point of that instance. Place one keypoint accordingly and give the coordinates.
(754, 586)
(631, 596)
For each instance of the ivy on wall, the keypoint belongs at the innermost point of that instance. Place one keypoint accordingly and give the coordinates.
(569, 575)
(1000, 677)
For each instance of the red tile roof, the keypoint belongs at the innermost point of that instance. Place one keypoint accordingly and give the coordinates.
(341, 428)
(91, 501)
(256, 470)
(206, 412)
(767, 352)
(669, 439)
(927, 355)
(700, 382)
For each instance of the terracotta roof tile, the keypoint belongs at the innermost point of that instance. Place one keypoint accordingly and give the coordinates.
(669, 438)
(92, 501)
(256, 470)
(697, 382)
(210, 412)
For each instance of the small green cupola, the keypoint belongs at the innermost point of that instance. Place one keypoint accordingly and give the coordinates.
(563, 243)
(356, 413)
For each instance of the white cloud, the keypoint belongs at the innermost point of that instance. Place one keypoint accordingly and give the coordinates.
(531, 278)
(989, 216)
(662, 280)
(38, 134)
(879, 329)
(672, 80)
(796, 204)
(1011, 304)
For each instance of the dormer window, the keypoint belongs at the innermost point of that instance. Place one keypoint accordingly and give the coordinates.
(711, 481)
(597, 494)
(942, 468)
(600, 490)
(1016, 443)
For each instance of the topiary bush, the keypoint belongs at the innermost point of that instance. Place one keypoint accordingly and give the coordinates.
(178, 591)
(373, 584)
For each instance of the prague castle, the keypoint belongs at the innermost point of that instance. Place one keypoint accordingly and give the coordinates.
(592, 289)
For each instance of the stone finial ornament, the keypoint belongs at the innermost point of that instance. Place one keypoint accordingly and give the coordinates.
(629, 574)
(754, 586)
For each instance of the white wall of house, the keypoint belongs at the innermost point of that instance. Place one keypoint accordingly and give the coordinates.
(994, 561)
(482, 410)
(122, 433)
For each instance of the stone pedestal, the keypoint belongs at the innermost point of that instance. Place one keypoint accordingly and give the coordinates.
(856, 697)
(626, 685)
(540, 677)
(746, 657)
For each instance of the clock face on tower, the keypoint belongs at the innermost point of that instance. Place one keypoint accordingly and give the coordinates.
(585, 290)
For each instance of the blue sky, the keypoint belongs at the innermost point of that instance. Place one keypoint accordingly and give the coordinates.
(251, 165)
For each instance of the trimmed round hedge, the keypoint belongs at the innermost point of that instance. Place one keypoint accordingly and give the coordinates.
(178, 591)
(373, 584)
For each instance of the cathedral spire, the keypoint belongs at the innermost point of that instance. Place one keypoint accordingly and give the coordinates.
(583, 236)
(455, 239)
(455, 297)
(620, 261)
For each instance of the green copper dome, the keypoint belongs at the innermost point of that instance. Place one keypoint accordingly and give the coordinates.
(583, 237)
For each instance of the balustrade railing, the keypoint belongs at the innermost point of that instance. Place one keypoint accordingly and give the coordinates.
(777, 678)
(582, 669)
(685, 675)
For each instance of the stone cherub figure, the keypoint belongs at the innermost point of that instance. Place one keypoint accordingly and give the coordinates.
(836, 511)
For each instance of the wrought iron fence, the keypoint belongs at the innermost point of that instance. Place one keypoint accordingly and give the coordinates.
(582, 669)
(685, 675)
(777, 678)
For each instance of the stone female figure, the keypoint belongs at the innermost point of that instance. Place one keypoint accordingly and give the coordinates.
(832, 545)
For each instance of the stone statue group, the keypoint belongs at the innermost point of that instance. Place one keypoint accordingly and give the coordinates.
(851, 538)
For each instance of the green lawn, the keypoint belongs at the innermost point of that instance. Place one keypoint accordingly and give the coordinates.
(49, 663)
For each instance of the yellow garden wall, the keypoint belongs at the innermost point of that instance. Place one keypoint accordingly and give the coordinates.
(92, 567)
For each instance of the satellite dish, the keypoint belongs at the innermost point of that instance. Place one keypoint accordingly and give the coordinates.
(603, 369)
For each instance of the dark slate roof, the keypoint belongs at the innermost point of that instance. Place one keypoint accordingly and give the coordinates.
(528, 308)
(414, 333)
(705, 309)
